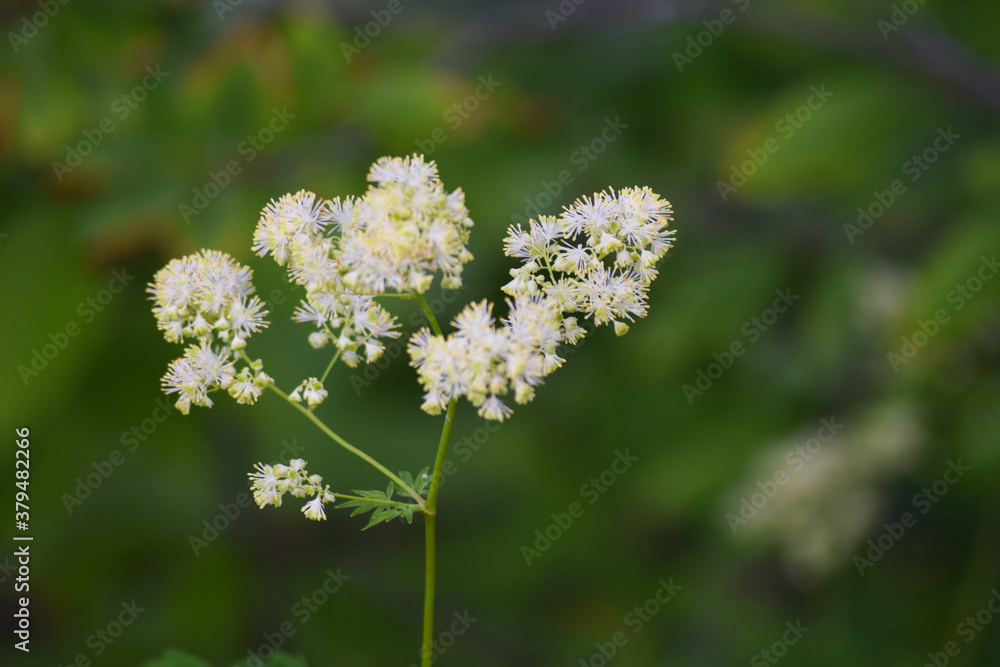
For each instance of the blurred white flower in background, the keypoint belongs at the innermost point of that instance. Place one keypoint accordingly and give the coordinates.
(825, 497)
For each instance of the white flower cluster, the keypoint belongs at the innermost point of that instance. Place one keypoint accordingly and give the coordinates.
(346, 252)
(208, 297)
(597, 258)
(311, 390)
(270, 483)
(566, 270)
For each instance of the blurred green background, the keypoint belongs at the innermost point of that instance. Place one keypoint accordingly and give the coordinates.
(760, 476)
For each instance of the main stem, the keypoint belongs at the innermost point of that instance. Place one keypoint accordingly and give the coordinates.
(430, 509)
(430, 521)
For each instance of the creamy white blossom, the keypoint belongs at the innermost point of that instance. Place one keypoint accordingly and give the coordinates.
(392, 240)
(484, 362)
(208, 297)
(596, 259)
(270, 483)
(311, 390)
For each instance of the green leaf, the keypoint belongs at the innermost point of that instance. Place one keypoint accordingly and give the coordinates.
(381, 515)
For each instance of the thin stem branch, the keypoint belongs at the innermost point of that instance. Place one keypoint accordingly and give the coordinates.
(373, 500)
(343, 443)
(435, 327)
(330, 366)
(351, 448)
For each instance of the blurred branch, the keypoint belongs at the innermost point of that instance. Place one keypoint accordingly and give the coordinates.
(927, 51)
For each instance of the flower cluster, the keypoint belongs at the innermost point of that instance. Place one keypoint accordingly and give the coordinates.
(311, 390)
(270, 483)
(208, 297)
(483, 362)
(346, 252)
(598, 258)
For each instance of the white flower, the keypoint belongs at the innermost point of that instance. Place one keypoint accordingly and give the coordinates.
(493, 408)
(205, 292)
(265, 486)
(270, 483)
(345, 253)
(597, 259)
(310, 389)
(315, 394)
(314, 509)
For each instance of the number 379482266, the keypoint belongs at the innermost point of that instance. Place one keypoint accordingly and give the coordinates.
(21, 464)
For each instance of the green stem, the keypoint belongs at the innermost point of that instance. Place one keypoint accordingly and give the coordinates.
(429, 313)
(373, 500)
(430, 521)
(330, 366)
(351, 448)
(430, 509)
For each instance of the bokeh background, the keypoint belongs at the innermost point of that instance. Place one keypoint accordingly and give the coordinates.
(760, 476)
